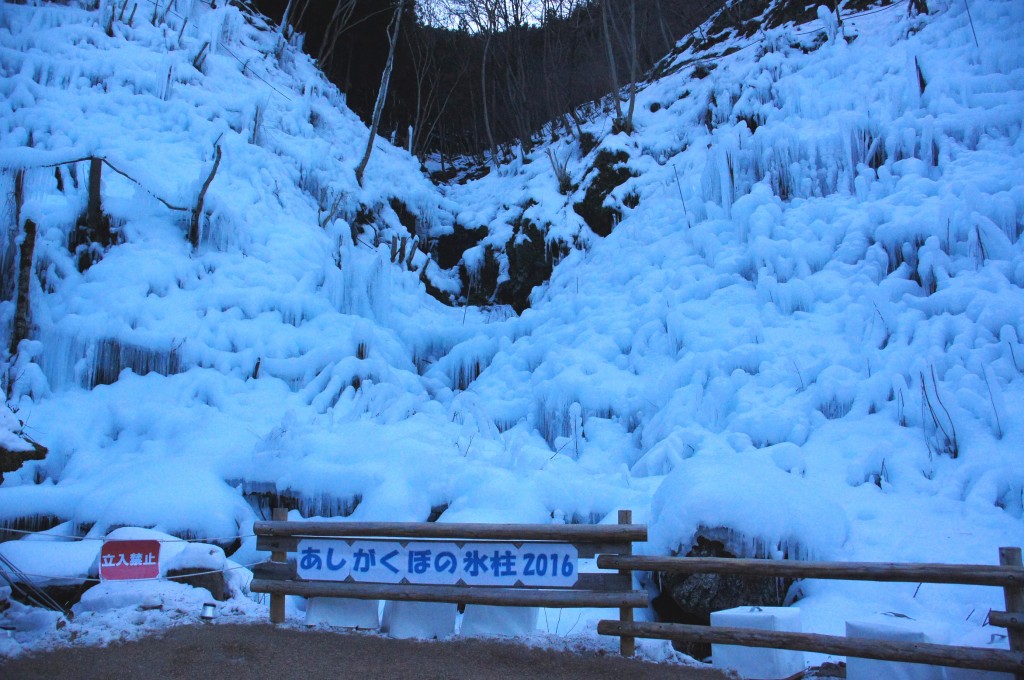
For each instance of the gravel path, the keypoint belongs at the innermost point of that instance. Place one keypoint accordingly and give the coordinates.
(268, 653)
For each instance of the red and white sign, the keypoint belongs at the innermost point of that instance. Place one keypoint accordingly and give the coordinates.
(126, 560)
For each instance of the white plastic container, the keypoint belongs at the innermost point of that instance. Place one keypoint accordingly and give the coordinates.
(893, 628)
(343, 612)
(758, 662)
(484, 620)
(424, 620)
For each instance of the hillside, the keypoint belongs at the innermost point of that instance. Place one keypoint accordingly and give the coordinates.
(784, 314)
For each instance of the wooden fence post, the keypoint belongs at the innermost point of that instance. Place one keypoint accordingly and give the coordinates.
(1014, 596)
(276, 600)
(627, 645)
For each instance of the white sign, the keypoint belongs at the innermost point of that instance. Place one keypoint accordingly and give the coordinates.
(550, 565)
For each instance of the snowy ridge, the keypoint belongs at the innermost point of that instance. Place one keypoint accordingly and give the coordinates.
(802, 335)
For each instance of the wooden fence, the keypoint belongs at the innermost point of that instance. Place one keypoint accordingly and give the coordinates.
(280, 576)
(1009, 575)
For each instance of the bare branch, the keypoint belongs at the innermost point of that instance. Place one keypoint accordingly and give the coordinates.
(193, 230)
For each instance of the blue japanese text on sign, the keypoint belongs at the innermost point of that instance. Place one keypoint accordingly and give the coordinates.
(438, 563)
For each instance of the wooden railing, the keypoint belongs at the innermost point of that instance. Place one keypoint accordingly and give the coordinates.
(1009, 575)
(281, 575)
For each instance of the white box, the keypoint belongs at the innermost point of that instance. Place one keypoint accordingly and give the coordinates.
(988, 637)
(893, 628)
(481, 620)
(343, 612)
(426, 620)
(758, 662)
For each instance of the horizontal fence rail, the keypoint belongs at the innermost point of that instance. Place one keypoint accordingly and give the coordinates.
(963, 574)
(1009, 575)
(492, 595)
(912, 652)
(606, 533)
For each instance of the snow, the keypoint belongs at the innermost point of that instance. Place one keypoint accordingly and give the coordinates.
(10, 429)
(820, 251)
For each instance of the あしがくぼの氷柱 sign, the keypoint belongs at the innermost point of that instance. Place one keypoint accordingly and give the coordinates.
(127, 560)
(551, 565)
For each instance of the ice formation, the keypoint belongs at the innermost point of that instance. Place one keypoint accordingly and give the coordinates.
(803, 329)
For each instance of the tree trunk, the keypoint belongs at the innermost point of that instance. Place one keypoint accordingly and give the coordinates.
(622, 123)
(613, 71)
(197, 214)
(19, 197)
(21, 313)
(483, 93)
(382, 94)
(10, 247)
(634, 68)
(336, 26)
(92, 232)
(99, 227)
(669, 43)
(302, 15)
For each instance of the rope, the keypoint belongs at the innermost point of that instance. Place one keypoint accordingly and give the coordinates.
(27, 588)
(24, 576)
(855, 15)
(159, 540)
(245, 66)
(708, 60)
(241, 6)
(109, 165)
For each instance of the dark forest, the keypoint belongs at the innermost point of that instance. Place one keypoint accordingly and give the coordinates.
(476, 75)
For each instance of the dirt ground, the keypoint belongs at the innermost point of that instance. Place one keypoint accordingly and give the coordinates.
(270, 653)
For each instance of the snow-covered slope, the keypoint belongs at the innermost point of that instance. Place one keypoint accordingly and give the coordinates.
(280, 323)
(804, 336)
(807, 332)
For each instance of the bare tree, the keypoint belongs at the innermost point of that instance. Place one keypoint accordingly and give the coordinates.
(338, 24)
(486, 18)
(483, 98)
(288, 24)
(382, 93)
(497, 69)
(611, 25)
(435, 85)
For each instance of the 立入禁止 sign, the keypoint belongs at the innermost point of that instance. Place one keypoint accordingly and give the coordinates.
(126, 560)
(438, 562)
